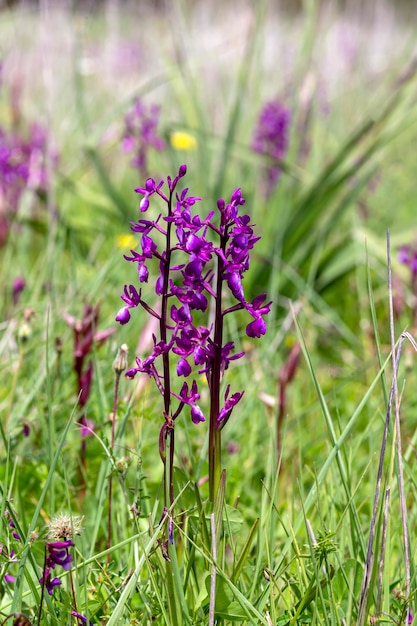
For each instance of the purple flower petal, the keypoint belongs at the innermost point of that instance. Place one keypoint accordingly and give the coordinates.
(123, 316)
(257, 328)
(183, 368)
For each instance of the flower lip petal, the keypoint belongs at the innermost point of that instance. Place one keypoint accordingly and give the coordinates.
(197, 414)
(123, 316)
(256, 328)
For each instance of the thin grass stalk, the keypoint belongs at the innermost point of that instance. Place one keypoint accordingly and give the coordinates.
(403, 505)
(48, 81)
(382, 553)
(370, 555)
(13, 387)
(396, 355)
(118, 373)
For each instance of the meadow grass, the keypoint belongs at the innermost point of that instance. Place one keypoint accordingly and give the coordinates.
(315, 529)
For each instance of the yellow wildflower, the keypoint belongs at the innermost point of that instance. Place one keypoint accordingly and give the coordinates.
(180, 140)
(125, 241)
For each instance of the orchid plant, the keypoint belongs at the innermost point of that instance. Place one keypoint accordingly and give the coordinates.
(193, 272)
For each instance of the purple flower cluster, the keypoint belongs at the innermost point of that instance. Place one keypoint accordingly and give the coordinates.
(57, 553)
(186, 271)
(140, 134)
(22, 166)
(270, 137)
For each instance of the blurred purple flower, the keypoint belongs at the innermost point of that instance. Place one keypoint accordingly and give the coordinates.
(140, 133)
(232, 447)
(18, 286)
(270, 138)
(126, 58)
(23, 165)
(408, 256)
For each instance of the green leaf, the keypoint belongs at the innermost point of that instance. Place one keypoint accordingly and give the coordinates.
(224, 595)
(234, 613)
(245, 552)
(232, 519)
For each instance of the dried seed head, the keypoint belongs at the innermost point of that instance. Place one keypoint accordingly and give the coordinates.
(64, 526)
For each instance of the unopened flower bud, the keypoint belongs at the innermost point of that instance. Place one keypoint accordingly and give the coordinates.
(59, 345)
(18, 286)
(122, 464)
(120, 362)
(24, 333)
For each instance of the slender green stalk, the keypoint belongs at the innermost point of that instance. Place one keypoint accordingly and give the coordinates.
(13, 387)
(112, 442)
(401, 488)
